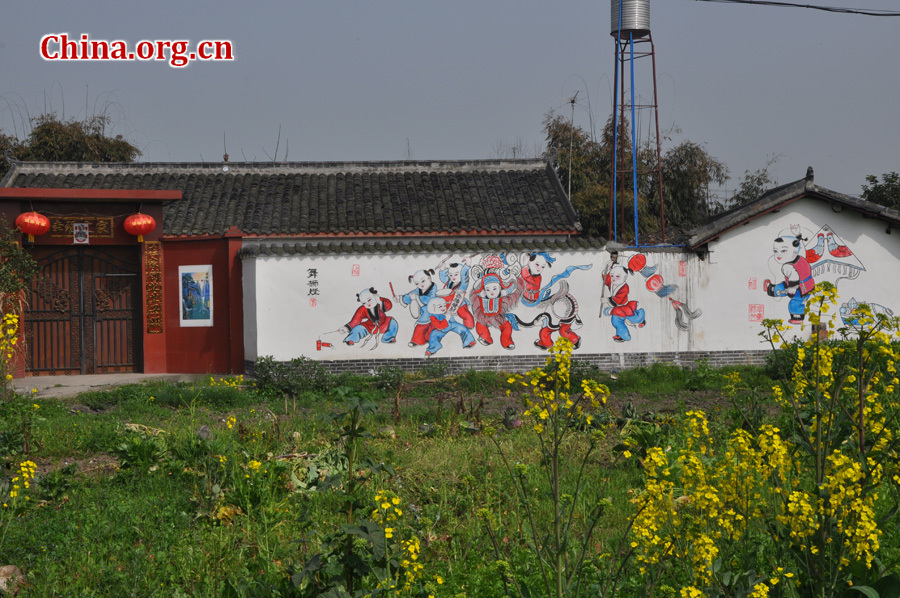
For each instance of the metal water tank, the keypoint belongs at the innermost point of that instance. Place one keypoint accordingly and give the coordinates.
(635, 18)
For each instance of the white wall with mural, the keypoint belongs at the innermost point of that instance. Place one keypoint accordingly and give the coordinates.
(766, 269)
(340, 307)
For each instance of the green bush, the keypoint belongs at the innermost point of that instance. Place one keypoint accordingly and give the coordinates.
(703, 377)
(585, 370)
(780, 363)
(483, 382)
(388, 378)
(279, 379)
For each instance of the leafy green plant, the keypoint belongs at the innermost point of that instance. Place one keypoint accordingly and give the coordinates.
(141, 450)
(750, 406)
(367, 555)
(585, 370)
(780, 363)
(54, 484)
(435, 370)
(259, 484)
(20, 415)
(307, 474)
(640, 433)
(201, 459)
(388, 378)
(702, 377)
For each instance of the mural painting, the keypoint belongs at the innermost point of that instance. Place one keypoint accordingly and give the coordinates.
(370, 321)
(800, 258)
(195, 286)
(439, 311)
(624, 312)
(502, 299)
(472, 300)
(851, 313)
(546, 305)
(494, 298)
(417, 300)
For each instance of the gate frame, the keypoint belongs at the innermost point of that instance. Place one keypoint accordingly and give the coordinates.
(114, 204)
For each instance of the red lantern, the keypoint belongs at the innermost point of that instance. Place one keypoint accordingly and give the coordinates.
(32, 223)
(140, 225)
(654, 283)
(637, 262)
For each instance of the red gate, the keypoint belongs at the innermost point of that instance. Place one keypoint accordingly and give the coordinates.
(84, 311)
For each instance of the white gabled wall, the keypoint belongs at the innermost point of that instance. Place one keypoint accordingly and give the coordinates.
(733, 276)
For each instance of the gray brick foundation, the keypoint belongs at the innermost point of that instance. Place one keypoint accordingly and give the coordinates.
(522, 363)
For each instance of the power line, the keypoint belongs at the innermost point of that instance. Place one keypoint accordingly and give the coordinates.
(837, 9)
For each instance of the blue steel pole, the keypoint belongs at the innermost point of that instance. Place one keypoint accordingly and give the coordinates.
(615, 230)
(634, 148)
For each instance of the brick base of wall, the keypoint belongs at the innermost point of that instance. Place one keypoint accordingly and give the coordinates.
(522, 363)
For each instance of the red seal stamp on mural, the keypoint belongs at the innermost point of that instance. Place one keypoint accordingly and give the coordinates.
(757, 312)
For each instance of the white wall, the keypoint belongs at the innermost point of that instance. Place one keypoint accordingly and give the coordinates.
(287, 324)
(726, 288)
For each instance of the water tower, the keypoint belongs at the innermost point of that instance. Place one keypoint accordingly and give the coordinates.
(630, 29)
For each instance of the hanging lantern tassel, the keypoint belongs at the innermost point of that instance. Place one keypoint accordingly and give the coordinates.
(140, 225)
(32, 223)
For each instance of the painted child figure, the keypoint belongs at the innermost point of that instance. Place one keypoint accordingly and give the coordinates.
(456, 280)
(371, 318)
(491, 301)
(534, 296)
(532, 275)
(623, 311)
(417, 299)
(612, 263)
(788, 252)
(441, 325)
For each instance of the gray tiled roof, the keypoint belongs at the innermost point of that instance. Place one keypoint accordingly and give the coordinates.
(484, 197)
(775, 198)
(382, 246)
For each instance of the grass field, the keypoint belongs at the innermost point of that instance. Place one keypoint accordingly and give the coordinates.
(220, 488)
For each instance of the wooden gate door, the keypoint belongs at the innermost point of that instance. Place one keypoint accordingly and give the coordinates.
(84, 311)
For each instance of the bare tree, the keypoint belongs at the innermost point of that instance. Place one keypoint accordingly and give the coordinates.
(518, 148)
(274, 158)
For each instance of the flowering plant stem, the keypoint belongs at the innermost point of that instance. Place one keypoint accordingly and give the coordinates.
(557, 416)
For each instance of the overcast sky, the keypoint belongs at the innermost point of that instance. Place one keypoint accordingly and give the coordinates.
(374, 80)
